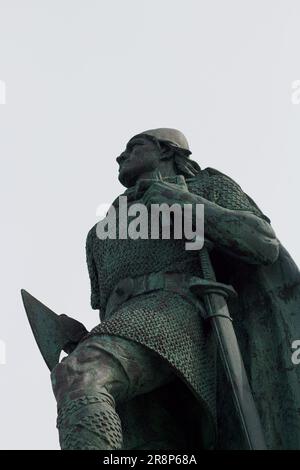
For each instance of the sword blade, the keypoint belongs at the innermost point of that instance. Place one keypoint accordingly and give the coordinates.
(237, 376)
(218, 314)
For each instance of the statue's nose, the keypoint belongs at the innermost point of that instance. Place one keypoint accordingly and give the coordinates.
(121, 158)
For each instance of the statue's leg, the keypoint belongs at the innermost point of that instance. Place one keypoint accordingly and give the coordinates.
(102, 372)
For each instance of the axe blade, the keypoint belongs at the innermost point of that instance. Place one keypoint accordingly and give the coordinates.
(53, 333)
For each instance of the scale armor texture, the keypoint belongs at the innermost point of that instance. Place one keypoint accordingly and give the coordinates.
(162, 321)
(89, 422)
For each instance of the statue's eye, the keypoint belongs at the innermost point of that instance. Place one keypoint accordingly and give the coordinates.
(131, 146)
(139, 145)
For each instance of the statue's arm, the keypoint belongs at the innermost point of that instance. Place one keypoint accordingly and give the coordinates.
(232, 220)
(240, 232)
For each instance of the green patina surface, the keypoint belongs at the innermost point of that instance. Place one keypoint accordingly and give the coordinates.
(195, 409)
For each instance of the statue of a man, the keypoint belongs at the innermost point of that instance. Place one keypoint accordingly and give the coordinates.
(149, 375)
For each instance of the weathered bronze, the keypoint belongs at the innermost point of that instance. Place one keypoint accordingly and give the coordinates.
(150, 375)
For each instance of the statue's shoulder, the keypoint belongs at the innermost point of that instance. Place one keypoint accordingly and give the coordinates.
(210, 183)
(213, 173)
(221, 189)
(91, 240)
(91, 234)
(209, 176)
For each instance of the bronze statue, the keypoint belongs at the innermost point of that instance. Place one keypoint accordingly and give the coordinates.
(151, 375)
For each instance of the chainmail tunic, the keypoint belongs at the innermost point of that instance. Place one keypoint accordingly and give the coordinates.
(162, 321)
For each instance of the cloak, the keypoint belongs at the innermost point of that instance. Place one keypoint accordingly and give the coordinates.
(266, 319)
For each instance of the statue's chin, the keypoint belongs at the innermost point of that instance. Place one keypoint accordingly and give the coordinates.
(126, 180)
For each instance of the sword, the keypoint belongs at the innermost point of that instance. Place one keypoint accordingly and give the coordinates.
(217, 313)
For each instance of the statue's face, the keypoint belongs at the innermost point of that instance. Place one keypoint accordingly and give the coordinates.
(140, 156)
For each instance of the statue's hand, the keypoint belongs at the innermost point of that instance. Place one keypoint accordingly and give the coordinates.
(160, 192)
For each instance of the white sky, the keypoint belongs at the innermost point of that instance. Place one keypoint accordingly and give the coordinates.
(81, 78)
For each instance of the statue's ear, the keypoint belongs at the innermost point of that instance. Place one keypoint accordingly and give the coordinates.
(166, 152)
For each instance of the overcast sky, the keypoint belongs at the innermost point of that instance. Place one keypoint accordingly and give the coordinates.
(83, 76)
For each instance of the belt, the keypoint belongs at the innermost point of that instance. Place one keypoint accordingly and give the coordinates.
(187, 285)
